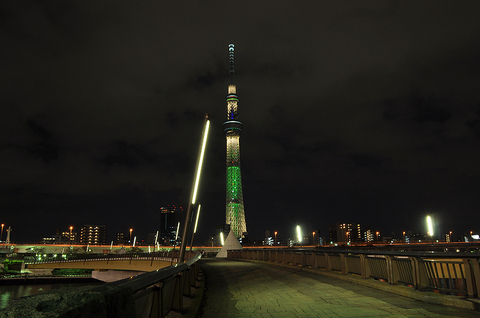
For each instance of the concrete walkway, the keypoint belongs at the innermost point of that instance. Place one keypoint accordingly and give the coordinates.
(253, 289)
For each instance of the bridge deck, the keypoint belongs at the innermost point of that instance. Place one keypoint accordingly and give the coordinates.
(251, 289)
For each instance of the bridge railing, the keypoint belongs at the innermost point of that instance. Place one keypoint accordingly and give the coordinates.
(159, 292)
(83, 257)
(454, 273)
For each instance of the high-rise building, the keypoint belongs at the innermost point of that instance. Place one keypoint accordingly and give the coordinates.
(169, 218)
(93, 234)
(119, 239)
(235, 214)
(345, 232)
(69, 237)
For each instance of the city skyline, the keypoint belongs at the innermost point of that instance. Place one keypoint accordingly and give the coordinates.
(361, 112)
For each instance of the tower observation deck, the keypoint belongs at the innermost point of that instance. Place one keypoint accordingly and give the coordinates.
(235, 214)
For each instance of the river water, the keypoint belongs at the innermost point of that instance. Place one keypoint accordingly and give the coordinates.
(9, 292)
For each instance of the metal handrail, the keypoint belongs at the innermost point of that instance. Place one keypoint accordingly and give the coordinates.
(420, 270)
(363, 252)
(145, 280)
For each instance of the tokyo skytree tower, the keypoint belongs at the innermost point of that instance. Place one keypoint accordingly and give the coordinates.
(235, 215)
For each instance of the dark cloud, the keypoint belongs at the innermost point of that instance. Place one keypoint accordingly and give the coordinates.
(353, 111)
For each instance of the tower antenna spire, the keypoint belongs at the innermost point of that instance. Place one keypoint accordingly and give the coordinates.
(231, 53)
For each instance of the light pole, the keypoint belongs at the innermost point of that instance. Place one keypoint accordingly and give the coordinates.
(275, 241)
(313, 238)
(450, 237)
(378, 234)
(299, 235)
(131, 230)
(430, 227)
(195, 185)
(404, 239)
(1, 236)
(195, 227)
(71, 228)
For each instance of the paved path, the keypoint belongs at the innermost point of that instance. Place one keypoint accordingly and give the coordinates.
(249, 289)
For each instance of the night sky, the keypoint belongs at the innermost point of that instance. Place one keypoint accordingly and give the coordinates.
(353, 111)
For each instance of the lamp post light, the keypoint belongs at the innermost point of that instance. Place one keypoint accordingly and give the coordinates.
(71, 228)
(299, 235)
(313, 238)
(275, 241)
(430, 227)
(195, 227)
(378, 235)
(131, 230)
(195, 187)
(404, 238)
(1, 236)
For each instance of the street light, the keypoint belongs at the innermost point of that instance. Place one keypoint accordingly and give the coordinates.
(378, 234)
(195, 227)
(71, 228)
(221, 238)
(131, 230)
(430, 227)
(313, 237)
(299, 235)
(195, 185)
(1, 236)
(275, 241)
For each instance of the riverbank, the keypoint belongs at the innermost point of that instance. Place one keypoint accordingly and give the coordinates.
(30, 280)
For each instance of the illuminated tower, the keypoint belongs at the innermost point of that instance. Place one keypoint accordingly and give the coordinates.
(235, 215)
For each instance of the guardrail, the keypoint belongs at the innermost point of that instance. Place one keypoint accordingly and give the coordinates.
(454, 273)
(152, 294)
(84, 257)
(159, 292)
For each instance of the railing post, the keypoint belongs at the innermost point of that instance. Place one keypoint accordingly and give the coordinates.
(420, 278)
(178, 294)
(302, 260)
(470, 277)
(187, 289)
(476, 275)
(389, 264)
(343, 264)
(415, 275)
(363, 267)
(328, 266)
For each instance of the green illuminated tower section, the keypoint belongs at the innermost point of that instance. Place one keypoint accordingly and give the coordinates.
(235, 215)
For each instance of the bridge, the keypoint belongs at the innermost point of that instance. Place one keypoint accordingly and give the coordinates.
(293, 283)
(260, 289)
